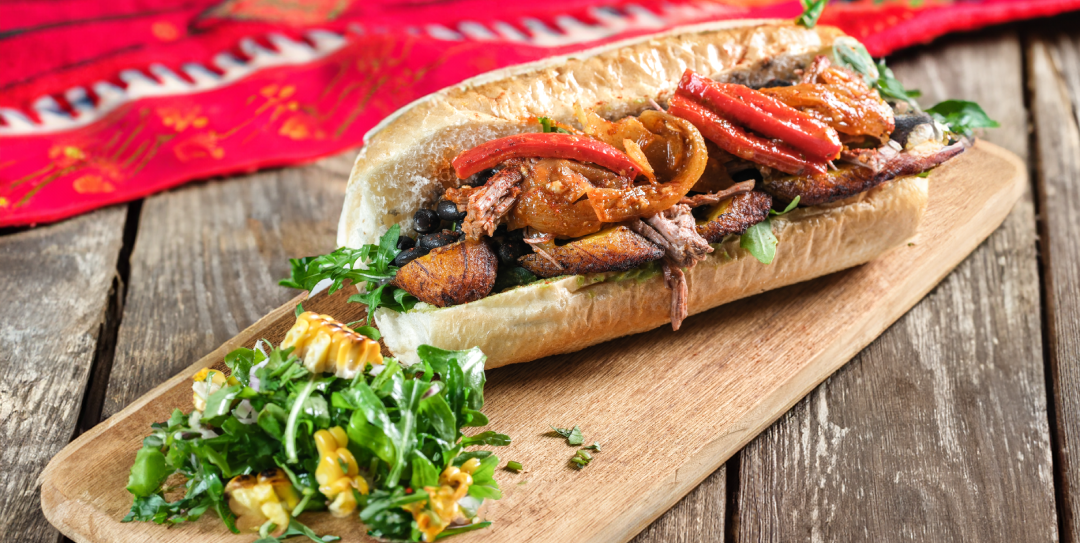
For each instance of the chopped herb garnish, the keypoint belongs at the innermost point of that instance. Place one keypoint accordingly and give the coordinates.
(516, 466)
(581, 459)
(551, 126)
(595, 446)
(369, 332)
(961, 117)
(759, 239)
(369, 266)
(573, 435)
(811, 12)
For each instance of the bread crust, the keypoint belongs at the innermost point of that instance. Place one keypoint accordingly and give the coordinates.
(405, 164)
(570, 313)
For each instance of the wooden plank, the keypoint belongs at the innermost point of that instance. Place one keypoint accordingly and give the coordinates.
(643, 396)
(57, 283)
(938, 431)
(699, 516)
(206, 264)
(1054, 64)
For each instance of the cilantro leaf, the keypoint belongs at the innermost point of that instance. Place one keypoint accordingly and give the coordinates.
(811, 12)
(961, 117)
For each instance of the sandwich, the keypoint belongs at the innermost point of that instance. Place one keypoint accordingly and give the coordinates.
(552, 206)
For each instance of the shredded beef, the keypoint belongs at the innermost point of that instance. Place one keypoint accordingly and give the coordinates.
(712, 198)
(675, 231)
(488, 204)
(676, 281)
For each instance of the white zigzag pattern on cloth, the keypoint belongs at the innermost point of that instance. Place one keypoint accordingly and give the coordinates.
(161, 81)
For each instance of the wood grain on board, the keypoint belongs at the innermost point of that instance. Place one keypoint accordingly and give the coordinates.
(938, 431)
(206, 264)
(1054, 80)
(56, 290)
(643, 396)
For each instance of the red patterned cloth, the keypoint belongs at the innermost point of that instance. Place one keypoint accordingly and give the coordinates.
(105, 102)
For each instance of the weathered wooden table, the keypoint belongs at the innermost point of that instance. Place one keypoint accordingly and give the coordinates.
(958, 423)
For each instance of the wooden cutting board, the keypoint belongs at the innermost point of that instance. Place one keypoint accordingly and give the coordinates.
(668, 408)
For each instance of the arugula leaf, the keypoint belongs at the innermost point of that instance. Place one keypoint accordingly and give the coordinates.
(849, 53)
(369, 332)
(961, 117)
(147, 473)
(423, 472)
(573, 435)
(890, 88)
(759, 239)
(296, 529)
(369, 266)
(462, 529)
(811, 12)
(487, 438)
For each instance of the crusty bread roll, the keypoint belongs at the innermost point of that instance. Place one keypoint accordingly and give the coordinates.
(405, 164)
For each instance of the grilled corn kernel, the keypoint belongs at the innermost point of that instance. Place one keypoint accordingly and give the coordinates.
(337, 472)
(436, 513)
(326, 345)
(257, 499)
(207, 382)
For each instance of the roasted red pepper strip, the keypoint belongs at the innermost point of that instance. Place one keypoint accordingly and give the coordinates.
(765, 115)
(736, 141)
(544, 145)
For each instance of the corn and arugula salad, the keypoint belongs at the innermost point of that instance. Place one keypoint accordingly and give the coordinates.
(324, 423)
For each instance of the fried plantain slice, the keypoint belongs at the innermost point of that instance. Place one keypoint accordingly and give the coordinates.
(734, 215)
(455, 274)
(612, 249)
(849, 179)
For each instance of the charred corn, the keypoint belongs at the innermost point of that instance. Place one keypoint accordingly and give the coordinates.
(337, 472)
(435, 514)
(256, 499)
(207, 382)
(326, 345)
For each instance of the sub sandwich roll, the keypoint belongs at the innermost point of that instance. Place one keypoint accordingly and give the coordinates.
(556, 205)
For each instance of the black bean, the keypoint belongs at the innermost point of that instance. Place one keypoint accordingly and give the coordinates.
(510, 251)
(448, 211)
(427, 221)
(408, 255)
(405, 242)
(438, 239)
(479, 179)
